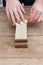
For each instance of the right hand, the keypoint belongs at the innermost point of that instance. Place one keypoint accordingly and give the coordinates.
(36, 13)
(15, 11)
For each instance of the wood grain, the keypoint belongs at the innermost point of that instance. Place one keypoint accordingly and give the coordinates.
(21, 61)
(28, 56)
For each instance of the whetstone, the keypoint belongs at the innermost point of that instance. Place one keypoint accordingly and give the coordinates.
(21, 45)
(21, 32)
(21, 35)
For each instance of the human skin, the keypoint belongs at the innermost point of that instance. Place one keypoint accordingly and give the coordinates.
(36, 13)
(15, 11)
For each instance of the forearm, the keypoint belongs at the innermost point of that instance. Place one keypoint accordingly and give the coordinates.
(39, 0)
(7, 0)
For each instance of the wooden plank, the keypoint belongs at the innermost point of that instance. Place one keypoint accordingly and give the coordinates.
(21, 61)
(32, 41)
(7, 44)
(36, 29)
(6, 27)
(34, 50)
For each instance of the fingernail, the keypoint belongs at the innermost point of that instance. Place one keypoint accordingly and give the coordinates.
(25, 21)
(17, 24)
(21, 22)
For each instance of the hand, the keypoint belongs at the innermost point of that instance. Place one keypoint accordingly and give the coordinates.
(36, 13)
(14, 11)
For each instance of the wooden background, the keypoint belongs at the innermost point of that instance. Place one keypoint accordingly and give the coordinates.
(9, 55)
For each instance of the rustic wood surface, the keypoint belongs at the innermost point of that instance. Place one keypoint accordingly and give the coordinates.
(9, 55)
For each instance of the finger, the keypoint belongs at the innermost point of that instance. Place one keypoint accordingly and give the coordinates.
(22, 9)
(33, 15)
(17, 16)
(32, 18)
(31, 12)
(8, 16)
(29, 16)
(37, 17)
(12, 17)
(21, 15)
